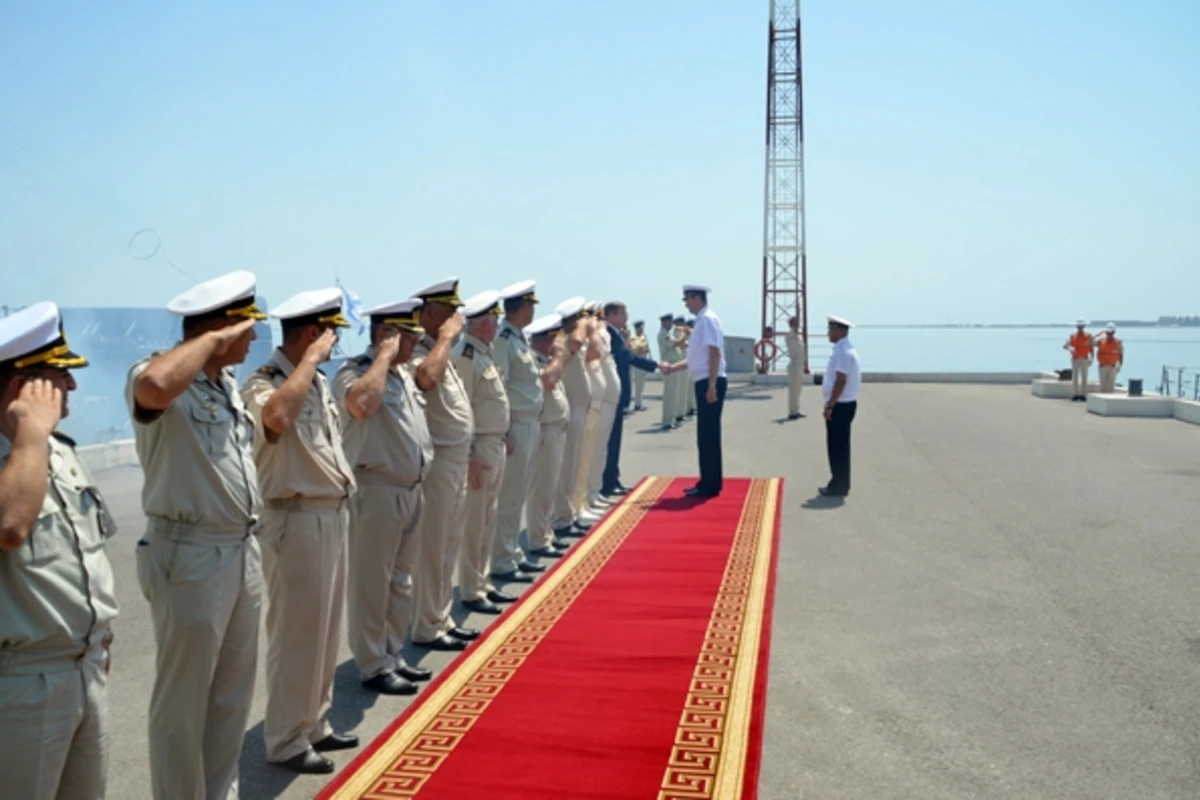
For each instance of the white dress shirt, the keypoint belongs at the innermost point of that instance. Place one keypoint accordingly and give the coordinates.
(844, 359)
(706, 333)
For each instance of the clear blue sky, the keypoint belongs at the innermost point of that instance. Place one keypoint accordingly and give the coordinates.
(1022, 161)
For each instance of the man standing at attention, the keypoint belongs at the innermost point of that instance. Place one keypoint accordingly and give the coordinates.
(306, 485)
(522, 379)
(489, 449)
(57, 599)
(705, 367)
(567, 514)
(387, 443)
(452, 427)
(668, 353)
(1080, 346)
(840, 385)
(795, 350)
(1110, 352)
(639, 345)
(199, 563)
(547, 468)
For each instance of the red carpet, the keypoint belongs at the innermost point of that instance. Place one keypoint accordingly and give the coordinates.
(636, 668)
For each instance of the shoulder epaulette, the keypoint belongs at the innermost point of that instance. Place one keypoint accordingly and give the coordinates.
(269, 370)
(360, 360)
(507, 332)
(468, 351)
(62, 437)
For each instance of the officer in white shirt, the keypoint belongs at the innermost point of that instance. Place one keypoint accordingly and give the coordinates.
(705, 365)
(840, 385)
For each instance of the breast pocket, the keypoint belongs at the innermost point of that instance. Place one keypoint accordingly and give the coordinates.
(214, 429)
(50, 538)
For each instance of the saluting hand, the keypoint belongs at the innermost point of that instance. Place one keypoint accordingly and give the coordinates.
(322, 347)
(451, 328)
(389, 343)
(37, 409)
(223, 338)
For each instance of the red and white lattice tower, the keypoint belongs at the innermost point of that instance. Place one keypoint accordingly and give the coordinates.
(785, 267)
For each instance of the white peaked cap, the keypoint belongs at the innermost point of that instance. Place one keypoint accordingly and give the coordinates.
(695, 287)
(845, 323)
(218, 293)
(519, 289)
(34, 337)
(388, 309)
(445, 291)
(479, 304)
(591, 306)
(546, 324)
(1079, 323)
(1112, 326)
(306, 304)
(570, 307)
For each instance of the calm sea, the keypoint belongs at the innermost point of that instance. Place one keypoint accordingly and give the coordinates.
(1147, 350)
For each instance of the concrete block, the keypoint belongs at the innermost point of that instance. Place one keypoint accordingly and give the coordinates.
(1054, 389)
(99, 457)
(1187, 411)
(1122, 405)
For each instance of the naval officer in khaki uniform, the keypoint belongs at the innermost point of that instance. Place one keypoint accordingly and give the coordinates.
(306, 484)
(199, 563)
(489, 408)
(639, 345)
(452, 428)
(685, 402)
(795, 351)
(522, 379)
(609, 402)
(567, 514)
(591, 432)
(668, 353)
(57, 601)
(547, 467)
(388, 445)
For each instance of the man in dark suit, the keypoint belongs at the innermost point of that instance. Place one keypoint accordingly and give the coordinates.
(617, 316)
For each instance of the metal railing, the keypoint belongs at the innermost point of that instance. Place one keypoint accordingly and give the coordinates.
(1184, 379)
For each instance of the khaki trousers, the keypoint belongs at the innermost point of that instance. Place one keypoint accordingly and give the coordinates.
(546, 470)
(384, 551)
(639, 387)
(304, 561)
(795, 381)
(441, 535)
(475, 558)
(579, 494)
(1079, 376)
(506, 550)
(669, 384)
(1108, 379)
(205, 592)
(54, 728)
(599, 454)
(565, 510)
(682, 387)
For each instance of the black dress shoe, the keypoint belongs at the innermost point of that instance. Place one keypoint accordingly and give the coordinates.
(561, 544)
(444, 642)
(410, 673)
(336, 741)
(825, 491)
(513, 577)
(482, 606)
(697, 492)
(465, 634)
(528, 567)
(389, 683)
(308, 763)
(548, 552)
(496, 596)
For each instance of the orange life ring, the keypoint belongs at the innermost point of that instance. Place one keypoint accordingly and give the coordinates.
(760, 348)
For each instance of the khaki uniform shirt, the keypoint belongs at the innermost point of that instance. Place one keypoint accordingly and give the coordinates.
(393, 443)
(519, 371)
(556, 410)
(197, 455)
(666, 346)
(795, 347)
(56, 589)
(307, 460)
(485, 388)
(575, 378)
(608, 366)
(447, 408)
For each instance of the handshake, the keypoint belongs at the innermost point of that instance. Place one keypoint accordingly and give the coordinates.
(666, 368)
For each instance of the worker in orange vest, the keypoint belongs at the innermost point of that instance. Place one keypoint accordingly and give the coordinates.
(1080, 347)
(1110, 352)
